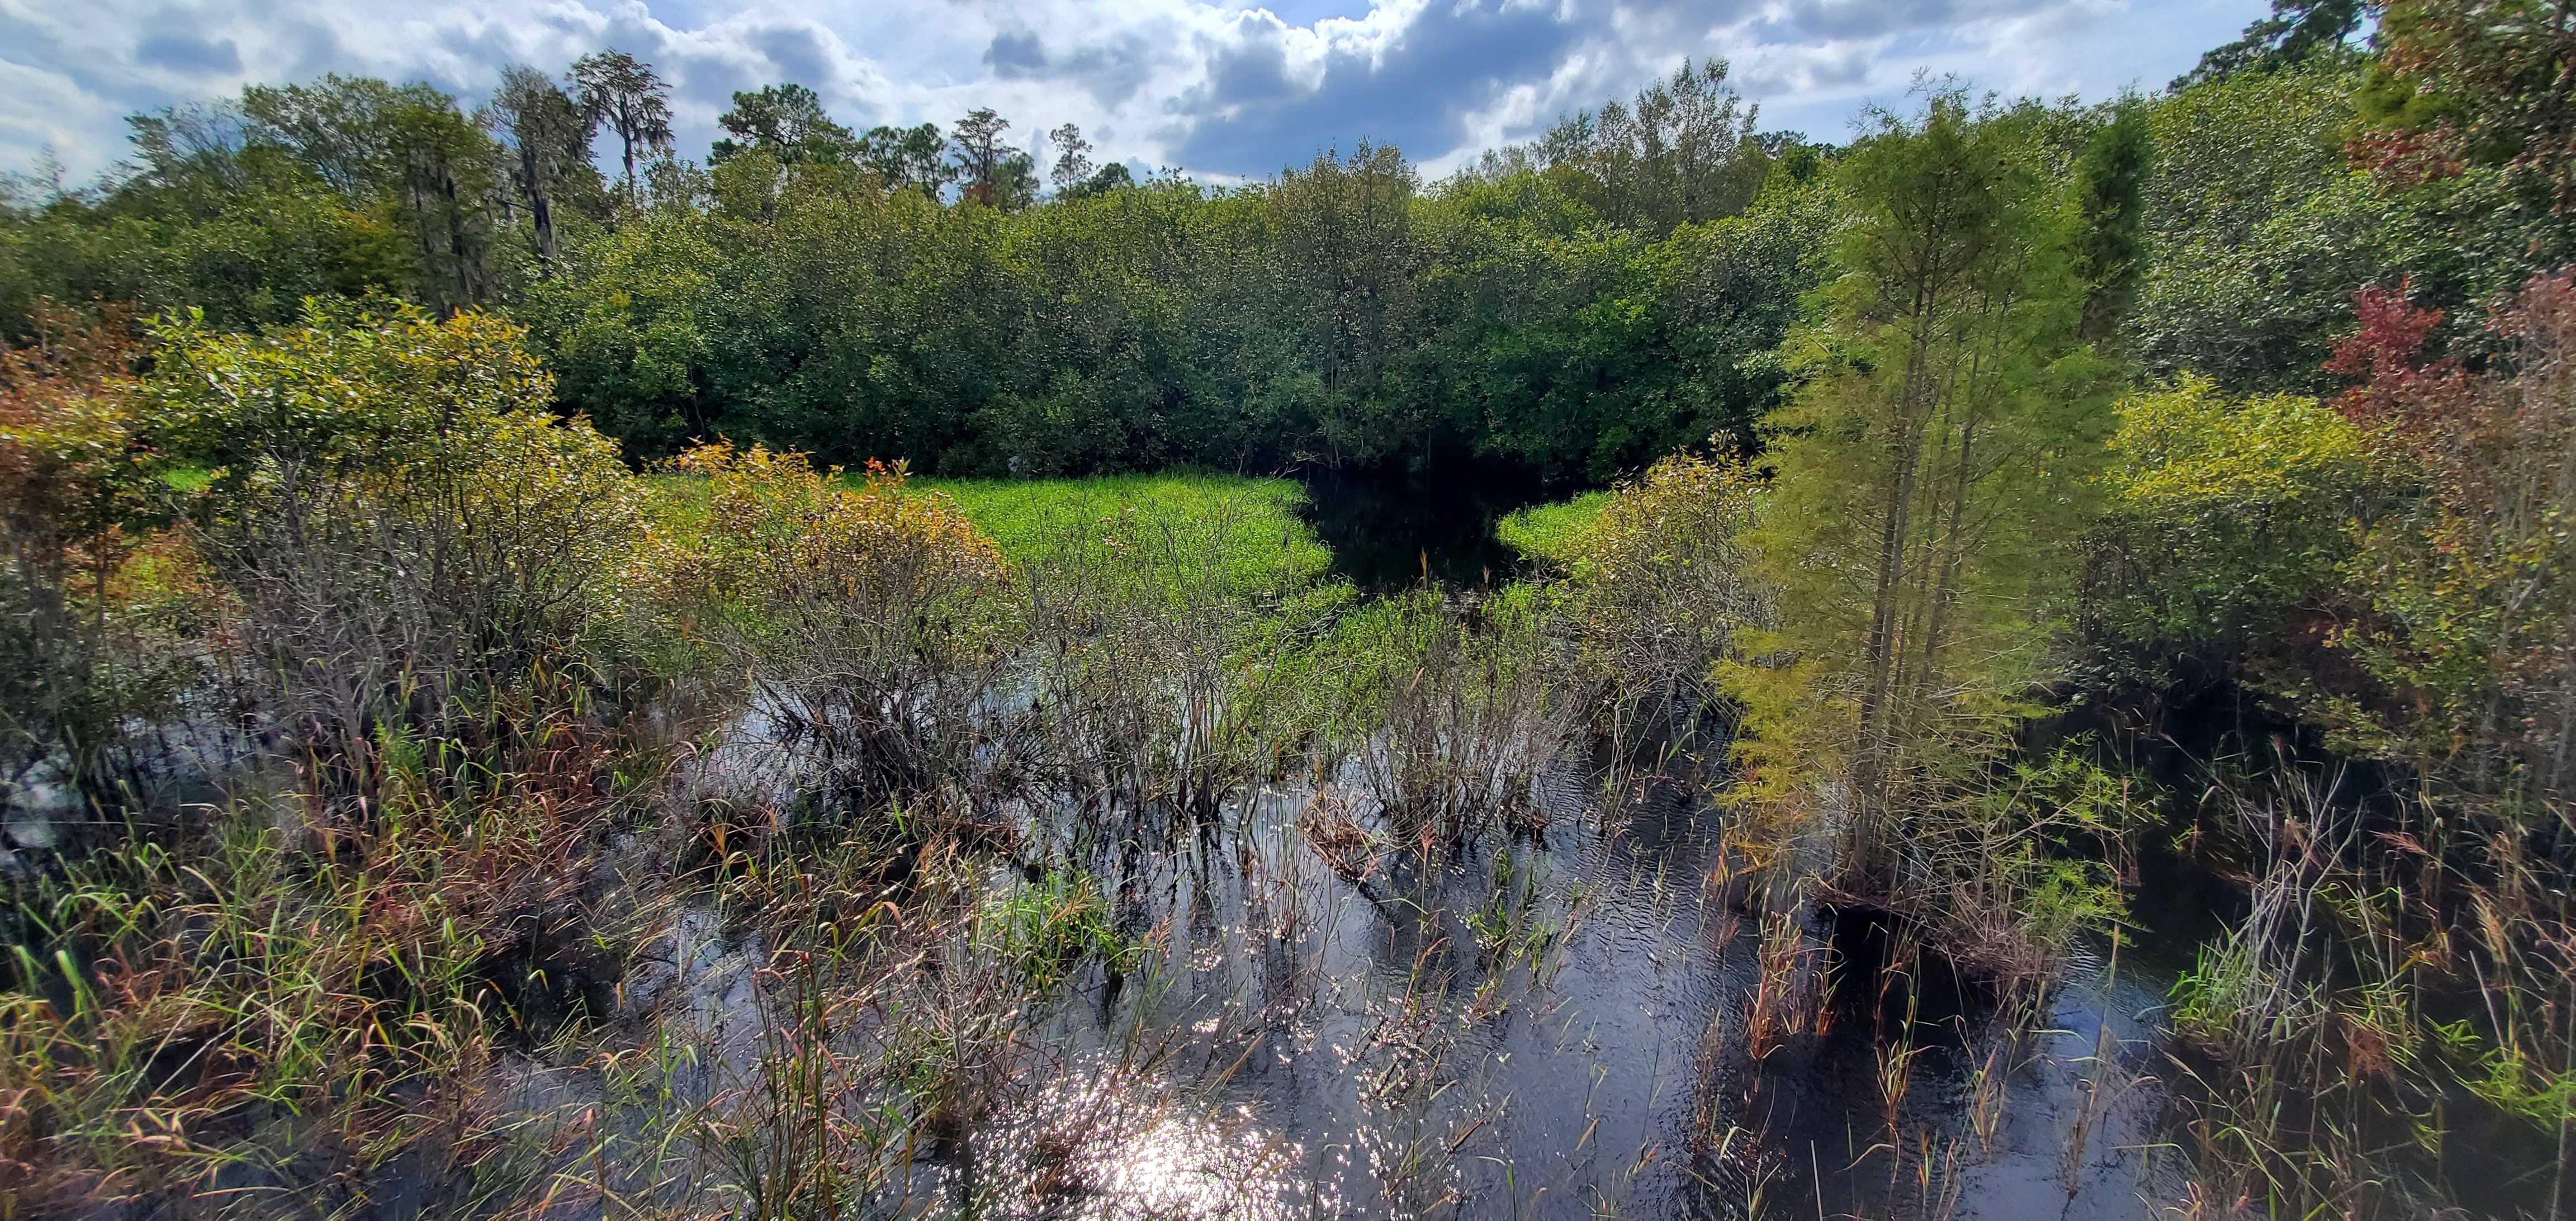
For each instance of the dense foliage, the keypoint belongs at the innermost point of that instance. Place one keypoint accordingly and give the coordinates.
(461, 491)
(1580, 307)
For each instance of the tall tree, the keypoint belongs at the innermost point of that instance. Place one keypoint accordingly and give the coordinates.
(2111, 184)
(1344, 230)
(613, 87)
(407, 144)
(1072, 158)
(907, 157)
(991, 172)
(189, 139)
(547, 139)
(787, 122)
(2296, 30)
(448, 180)
(1685, 151)
(1930, 472)
(2256, 230)
(339, 127)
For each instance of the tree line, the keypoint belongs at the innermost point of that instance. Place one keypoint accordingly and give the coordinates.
(1579, 305)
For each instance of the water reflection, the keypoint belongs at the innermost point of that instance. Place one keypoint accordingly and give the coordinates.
(1417, 1048)
(1393, 529)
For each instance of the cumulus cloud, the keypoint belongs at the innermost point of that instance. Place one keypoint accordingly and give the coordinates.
(1219, 89)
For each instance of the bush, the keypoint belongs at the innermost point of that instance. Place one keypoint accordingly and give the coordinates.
(862, 620)
(1659, 589)
(409, 540)
(1452, 715)
(78, 500)
(1172, 667)
(2226, 514)
(2472, 583)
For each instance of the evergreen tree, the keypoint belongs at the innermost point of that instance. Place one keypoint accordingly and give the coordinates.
(615, 88)
(1072, 158)
(2110, 182)
(1932, 476)
(787, 122)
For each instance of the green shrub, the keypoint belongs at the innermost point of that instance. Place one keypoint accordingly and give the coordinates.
(405, 532)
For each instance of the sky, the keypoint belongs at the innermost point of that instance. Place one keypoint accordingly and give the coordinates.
(1220, 91)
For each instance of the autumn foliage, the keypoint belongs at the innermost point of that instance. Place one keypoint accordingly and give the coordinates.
(2475, 583)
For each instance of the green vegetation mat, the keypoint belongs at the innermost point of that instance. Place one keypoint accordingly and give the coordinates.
(1552, 533)
(1254, 523)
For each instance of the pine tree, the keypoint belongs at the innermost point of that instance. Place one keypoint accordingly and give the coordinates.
(1932, 475)
(616, 89)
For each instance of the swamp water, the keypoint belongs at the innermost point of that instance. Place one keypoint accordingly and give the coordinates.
(1550, 1026)
(1394, 529)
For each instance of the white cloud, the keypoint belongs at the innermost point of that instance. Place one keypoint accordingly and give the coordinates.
(1221, 89)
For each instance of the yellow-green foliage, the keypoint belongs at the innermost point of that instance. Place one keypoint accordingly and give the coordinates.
(1933, 473)
(403, 525)
(1935, 478)
(402, 431)
(1684, 512)
(2193, 450)
(2225, 511)
(780, 561)
(1555, 534)
(347, 384)
(1656, 580)
(1248, 527)
(774, 528)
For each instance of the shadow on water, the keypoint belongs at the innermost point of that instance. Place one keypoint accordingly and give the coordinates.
(1390, 528)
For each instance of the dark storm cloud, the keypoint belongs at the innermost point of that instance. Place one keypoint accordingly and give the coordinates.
(1113, 74)
(1254, 115)
(798, 55)
(1112, 69)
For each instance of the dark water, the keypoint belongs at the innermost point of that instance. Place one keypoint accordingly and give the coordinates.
(1305, 1047)
(1392, 529)
(1293, 1044)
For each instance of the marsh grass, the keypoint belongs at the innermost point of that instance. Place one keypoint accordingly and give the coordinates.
(1451, 715)
(224, 1011)
(2311, 1075)
(1555, 533)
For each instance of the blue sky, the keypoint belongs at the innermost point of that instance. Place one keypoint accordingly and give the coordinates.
(1222, 91)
